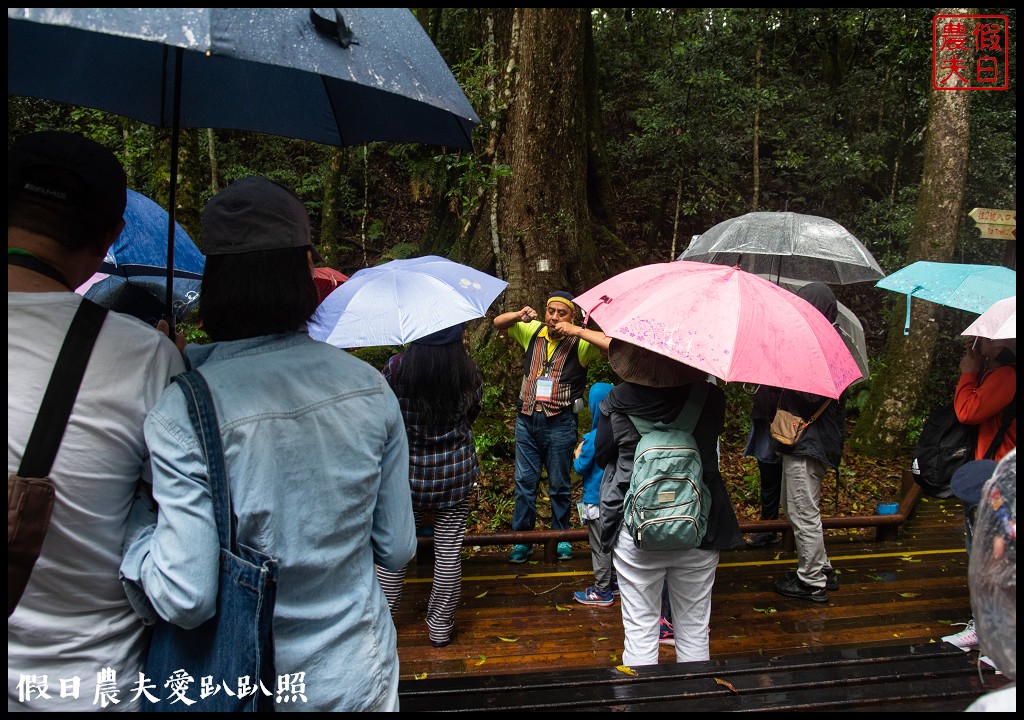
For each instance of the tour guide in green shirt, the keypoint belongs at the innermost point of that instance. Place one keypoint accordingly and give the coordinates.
(554, 377)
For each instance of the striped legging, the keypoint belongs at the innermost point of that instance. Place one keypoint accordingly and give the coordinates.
(449, 531)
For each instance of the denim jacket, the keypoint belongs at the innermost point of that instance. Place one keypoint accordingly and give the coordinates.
(318, 466)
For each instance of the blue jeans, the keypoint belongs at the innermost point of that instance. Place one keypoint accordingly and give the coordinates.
(547, 441)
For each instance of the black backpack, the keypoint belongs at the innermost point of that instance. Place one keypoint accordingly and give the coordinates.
(946, 444)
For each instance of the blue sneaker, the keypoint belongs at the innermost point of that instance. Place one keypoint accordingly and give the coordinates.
(564, 551)
(520, 553)
(593, 596)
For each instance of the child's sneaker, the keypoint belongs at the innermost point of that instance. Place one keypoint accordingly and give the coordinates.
(520, 553)
(666, 636)
(593, 596)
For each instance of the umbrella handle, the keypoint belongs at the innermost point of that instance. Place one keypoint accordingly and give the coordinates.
(906, 325)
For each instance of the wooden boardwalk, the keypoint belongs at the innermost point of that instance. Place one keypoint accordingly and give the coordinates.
(522, 618)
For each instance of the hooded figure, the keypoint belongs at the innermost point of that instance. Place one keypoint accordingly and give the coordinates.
(584, 463)
(602, 592)
(804, 466)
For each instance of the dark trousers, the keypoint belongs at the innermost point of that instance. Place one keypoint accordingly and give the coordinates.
(771, 489)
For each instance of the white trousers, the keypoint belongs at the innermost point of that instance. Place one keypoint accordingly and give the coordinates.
(690, 575)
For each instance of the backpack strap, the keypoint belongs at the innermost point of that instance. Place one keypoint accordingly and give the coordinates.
(688, 416)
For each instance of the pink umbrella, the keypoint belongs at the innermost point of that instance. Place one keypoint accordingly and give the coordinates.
(725, 321)
(999, 322)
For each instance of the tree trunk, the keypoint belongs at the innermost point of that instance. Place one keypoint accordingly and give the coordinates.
(330, 225)
(881, 430)
(543, 226)
(755, 199)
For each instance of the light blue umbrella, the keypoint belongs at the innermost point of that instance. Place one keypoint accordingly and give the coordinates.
(967, 287)
(401, 301)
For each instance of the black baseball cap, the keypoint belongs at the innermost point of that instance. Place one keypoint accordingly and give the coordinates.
(70, 170)
(254, 214)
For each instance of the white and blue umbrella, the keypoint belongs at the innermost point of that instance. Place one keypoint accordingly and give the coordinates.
(402, 301)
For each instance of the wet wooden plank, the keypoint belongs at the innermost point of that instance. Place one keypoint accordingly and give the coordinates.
(515, 619)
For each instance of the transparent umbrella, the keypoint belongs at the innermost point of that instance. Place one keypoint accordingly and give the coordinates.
(787, 244)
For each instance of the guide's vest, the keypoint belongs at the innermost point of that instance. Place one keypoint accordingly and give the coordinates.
(568, 375)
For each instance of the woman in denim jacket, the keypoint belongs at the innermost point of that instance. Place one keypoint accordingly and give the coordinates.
(317, 461)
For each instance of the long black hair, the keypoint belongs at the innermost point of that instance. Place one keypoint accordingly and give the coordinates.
(440, 381)
(257, 293)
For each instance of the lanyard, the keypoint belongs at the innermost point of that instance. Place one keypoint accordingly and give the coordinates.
(21, 258)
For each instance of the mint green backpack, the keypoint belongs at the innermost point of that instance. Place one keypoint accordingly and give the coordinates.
(667, 503)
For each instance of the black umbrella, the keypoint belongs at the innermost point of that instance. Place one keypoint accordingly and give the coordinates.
(330, 75)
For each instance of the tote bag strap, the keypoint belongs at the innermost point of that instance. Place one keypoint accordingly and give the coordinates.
(203, 415)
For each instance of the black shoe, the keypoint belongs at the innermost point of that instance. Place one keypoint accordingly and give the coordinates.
(831, 578)
(762, 539)
(794, 587)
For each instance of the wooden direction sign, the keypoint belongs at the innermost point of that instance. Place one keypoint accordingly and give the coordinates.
(998, 232)
(993, 217)
(995, 224)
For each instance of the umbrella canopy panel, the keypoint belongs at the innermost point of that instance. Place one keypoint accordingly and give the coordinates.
(725, 321)
(401, 301)
(374, 76)
(787, 244)
(973, 288)
(141, 248)
(850, 328)
(999, 322)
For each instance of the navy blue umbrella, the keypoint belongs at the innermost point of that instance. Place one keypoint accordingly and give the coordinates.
(330, 75)
(136, 265)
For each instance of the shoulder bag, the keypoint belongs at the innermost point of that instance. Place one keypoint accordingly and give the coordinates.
(30, 493)
(788, 428)
(231, 655)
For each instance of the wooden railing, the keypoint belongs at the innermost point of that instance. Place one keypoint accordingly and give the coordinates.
(886, 528)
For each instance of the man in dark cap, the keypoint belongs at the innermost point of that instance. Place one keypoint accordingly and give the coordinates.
(65, 202)
(554, 378)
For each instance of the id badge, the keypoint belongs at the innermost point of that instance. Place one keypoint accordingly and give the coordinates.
(544, 387)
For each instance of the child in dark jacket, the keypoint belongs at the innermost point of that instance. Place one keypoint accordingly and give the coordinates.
(601, 592)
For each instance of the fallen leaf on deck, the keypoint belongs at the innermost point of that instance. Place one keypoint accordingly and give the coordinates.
(483, 659)
(625, 669)
(483, 593)
(503, 639)
(766, 611)
(562, 607)
(601, 638)
(421, 676)
(910, 594)
(908, 558)
(727, 684)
